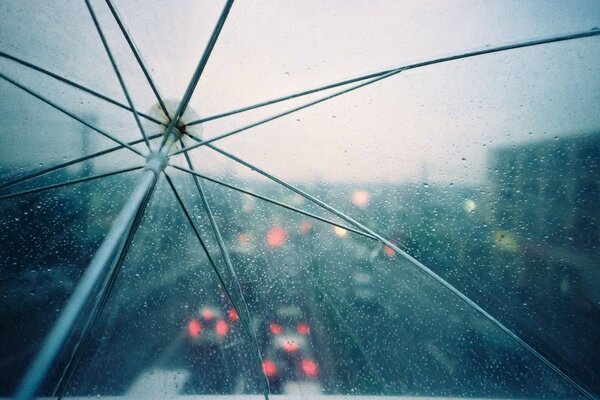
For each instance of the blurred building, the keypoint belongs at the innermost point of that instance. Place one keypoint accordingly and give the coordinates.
(546, 234)
(546, 196)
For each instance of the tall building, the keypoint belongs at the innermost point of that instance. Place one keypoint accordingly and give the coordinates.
(546, 223)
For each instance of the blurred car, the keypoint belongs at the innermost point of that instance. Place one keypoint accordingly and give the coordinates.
(207, 333)
(362, 290)
(289, 354)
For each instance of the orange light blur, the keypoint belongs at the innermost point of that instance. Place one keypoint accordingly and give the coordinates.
(221, 328)
(389, 251)
(244, 239)
(194, 328)
(275, 328)
(310, 368)
(207, 314)
(305, 227)
(290, 346)
(269, 368)
(303, 329)
(233, 315)
(361, 198)
(276, 236)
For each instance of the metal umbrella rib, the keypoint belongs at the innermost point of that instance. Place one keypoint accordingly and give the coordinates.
(416, 263)
(74, 325)
(117, 72)
(71, 162)
(105, 263)
(237, 289)
(199, 69)
(75, 85)
(272, 201)
(68, 183)
(438, 60)
(137, 56)
(70, 114)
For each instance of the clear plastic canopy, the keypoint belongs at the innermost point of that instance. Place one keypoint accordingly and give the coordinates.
(312, 199)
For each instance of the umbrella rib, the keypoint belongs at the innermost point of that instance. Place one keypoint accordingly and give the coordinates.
(76, 85)
(200, 68)
(205, 248)
(99, 305)
(68, 183)
(71, 162)
(419, 265)
(64, 111)
(137, 56)
(107, 258)
(232, 276)
(271, 177)
(438, 60)
(117, 72)
(272, 201)
(290, 111)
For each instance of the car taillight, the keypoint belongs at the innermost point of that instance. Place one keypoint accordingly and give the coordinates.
(303, 329)
(269, 368)
(275, 328)
(194, 328)
(207, 314)
(221, 328)
(290, 346)
(310, 368)
(233, 315)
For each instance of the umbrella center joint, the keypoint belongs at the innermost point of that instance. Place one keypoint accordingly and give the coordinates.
(156, 161)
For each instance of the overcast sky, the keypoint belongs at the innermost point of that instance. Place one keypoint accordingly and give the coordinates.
(437, 123)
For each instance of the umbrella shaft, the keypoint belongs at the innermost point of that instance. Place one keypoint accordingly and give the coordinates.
(93, 283)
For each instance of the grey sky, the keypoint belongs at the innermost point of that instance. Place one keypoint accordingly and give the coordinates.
(441, 119)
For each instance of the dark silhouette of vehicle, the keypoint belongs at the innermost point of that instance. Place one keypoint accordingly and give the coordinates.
(289, 352)
(207, 334)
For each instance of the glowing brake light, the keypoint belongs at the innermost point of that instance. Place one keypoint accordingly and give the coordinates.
(207, 314)
(290, 346)
(276, 236)
(310, 368)
(303, 329)
(221, 328)
(233, 315)
(269, 368)
(389, 251)
(194, 328)
(275, 328)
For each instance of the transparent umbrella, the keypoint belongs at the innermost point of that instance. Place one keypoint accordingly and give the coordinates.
(257, 199)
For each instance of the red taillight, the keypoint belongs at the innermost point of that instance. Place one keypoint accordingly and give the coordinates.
(194, 328)
(269, 368)
(275, 328)
(310, 368)
(276, 236)
(389, 251)
(207, 314)
(303, 329)
(233, 315)
(221, 328)
(290, 346)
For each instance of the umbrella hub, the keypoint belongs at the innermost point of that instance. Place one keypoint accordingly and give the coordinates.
(189, 115)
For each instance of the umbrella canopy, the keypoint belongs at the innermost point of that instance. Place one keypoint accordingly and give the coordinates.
(315, 199)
